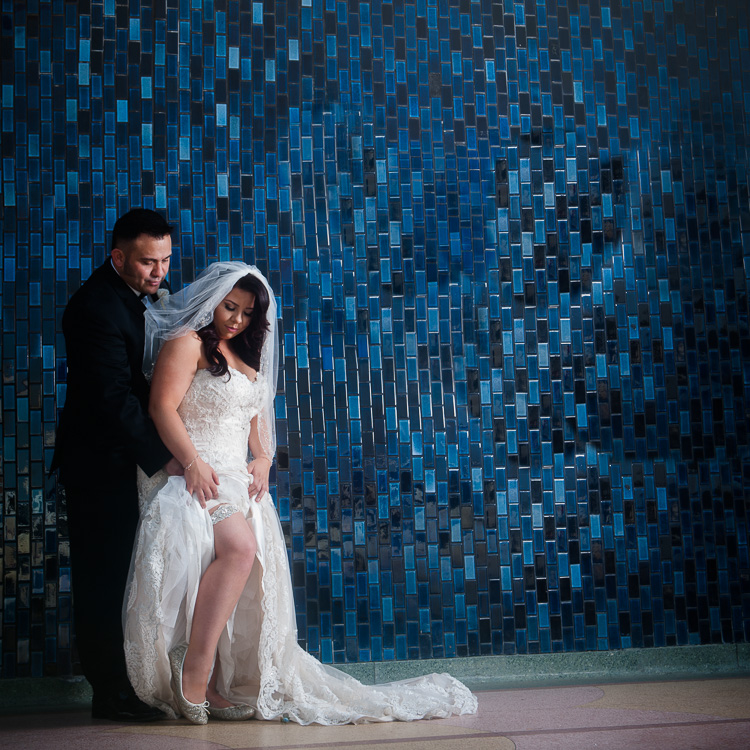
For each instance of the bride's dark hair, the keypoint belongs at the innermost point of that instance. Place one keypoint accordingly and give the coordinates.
(248, 345)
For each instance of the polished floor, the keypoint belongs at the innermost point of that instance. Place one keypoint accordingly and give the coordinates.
(711, 713)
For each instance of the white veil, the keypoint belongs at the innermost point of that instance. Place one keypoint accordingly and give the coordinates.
(193, 308)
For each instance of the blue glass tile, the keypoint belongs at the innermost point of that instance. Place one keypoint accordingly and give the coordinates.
(509, 260)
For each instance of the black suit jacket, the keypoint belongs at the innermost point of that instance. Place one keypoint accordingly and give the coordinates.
(104, 428)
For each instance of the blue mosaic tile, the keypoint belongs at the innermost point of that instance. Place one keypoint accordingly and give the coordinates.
(510, 244)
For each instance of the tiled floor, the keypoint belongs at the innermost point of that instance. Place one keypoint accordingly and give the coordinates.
(707, 714)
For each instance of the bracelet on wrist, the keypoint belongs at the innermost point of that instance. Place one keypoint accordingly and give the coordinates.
(187, 468)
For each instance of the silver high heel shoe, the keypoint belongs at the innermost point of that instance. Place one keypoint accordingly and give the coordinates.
(240, 712)
(194, 712)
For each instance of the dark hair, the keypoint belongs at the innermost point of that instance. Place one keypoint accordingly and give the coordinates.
(248, 345)
(137, 222)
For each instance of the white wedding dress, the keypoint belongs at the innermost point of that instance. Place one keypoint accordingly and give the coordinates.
(259, 660)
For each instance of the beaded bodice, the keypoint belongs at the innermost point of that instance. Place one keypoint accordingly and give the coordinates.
(217, 412)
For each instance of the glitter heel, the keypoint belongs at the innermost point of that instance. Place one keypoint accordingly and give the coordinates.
(241, 712)
(195, 713)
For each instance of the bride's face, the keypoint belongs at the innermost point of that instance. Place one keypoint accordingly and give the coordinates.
(233, 314)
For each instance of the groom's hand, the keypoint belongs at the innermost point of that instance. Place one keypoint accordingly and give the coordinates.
(174, 468)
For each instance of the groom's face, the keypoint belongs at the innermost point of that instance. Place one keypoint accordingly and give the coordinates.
(143, 262)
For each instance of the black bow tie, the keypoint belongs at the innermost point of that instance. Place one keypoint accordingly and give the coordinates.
(142, 295)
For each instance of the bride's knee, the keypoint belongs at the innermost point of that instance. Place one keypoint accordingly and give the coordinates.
(240, 550)
(248, 550)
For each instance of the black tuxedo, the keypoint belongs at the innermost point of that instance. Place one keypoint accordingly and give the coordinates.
(103, 434)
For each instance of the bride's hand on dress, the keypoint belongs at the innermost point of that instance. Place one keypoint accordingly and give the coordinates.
(201, 481)
(259, 470)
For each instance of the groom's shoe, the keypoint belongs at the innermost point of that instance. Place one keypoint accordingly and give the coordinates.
(123, 706)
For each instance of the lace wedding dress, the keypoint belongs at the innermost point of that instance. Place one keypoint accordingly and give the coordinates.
(259, 659)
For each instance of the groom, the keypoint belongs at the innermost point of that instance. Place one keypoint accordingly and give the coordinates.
(103, 434)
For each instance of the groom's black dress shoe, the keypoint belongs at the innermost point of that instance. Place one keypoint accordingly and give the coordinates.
(123, 706)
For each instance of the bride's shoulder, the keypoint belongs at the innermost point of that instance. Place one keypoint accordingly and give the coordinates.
(190, 340)
(183, 347)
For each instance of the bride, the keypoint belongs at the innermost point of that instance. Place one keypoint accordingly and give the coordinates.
(209, 615)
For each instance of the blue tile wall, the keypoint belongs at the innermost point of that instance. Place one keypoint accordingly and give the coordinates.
(511, 246)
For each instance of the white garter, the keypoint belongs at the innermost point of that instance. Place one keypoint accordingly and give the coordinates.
(223, 512)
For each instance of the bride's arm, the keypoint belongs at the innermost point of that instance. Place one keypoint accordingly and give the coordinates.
(175, 369)
(260, 466)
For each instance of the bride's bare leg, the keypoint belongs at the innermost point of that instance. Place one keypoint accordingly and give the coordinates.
(213, 696)
(218, 594)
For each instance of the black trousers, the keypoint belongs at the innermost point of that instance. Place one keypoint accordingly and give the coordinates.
(102, 519)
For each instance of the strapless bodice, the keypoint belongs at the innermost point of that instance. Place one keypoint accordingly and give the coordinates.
(217, 412)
